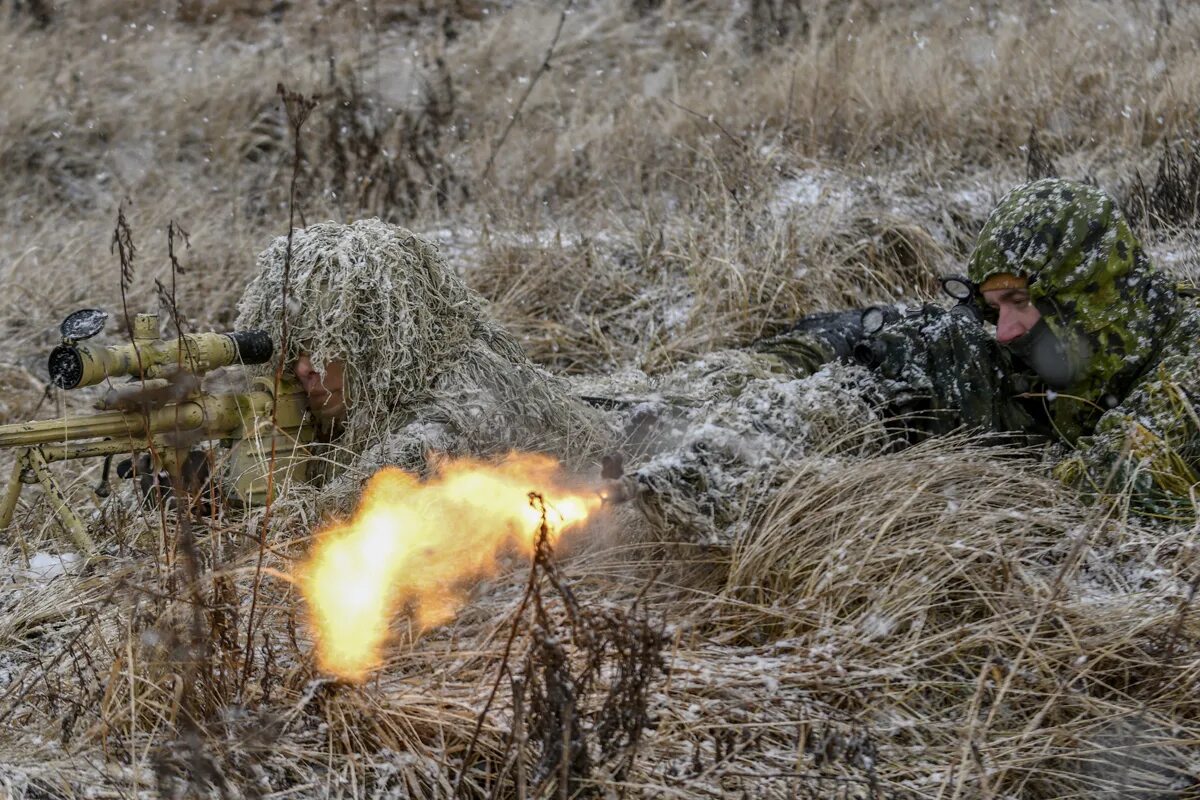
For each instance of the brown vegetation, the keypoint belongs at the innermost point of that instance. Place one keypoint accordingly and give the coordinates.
(685, 175)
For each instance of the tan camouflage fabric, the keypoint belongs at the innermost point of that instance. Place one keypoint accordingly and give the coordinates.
(427, 369)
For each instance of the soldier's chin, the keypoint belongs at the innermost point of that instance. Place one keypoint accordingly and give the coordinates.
(1060, 364)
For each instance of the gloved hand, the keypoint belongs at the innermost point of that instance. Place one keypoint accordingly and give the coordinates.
(157, 488)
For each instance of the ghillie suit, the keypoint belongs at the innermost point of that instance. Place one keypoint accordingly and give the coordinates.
(710, 442)
(426, 370)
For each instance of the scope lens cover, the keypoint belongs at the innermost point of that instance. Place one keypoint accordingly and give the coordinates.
(958, 288)
(65, 367)
(83, 324)
(872, 320)
(253, 346)
(967, 311)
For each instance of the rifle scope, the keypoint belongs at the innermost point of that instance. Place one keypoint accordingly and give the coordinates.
(74, 365)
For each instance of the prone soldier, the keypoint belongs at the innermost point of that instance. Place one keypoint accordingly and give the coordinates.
(386, 357)
(1093, 348)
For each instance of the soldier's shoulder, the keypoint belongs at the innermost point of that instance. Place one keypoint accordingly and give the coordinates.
(1176, 366)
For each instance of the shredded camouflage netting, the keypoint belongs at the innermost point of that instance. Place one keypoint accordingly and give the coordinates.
(426, 369)
(708, 444)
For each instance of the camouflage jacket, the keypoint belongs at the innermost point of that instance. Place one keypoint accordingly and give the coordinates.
(1148, 445)
(1129, 421)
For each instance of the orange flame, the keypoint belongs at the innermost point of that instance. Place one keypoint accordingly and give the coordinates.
(415, 542)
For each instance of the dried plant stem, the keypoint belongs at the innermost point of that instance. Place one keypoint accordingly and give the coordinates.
(514, 629)
(297, 107)
(542, 69)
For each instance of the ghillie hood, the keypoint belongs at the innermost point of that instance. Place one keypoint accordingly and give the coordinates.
(1091, 280)
(425, 367)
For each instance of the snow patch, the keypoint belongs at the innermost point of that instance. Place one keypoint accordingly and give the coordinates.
(813, 189)
(45, 567)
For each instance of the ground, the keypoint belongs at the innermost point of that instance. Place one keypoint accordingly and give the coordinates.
(633, 184)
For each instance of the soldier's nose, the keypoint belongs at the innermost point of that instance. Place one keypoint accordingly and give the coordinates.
(305, 372)
(1008, 327)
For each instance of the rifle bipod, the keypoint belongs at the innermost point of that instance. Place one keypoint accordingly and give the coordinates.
(31, 467)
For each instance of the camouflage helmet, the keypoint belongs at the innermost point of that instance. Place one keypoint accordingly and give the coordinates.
(1086, 272)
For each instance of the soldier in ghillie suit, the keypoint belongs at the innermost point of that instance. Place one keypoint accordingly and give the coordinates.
(1094, 349)
(399, 358)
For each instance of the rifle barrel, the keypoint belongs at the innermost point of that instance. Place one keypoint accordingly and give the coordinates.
(216, 415)
(182, 417)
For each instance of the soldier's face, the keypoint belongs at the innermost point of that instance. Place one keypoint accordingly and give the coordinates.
(326, 398)
(1017, 315)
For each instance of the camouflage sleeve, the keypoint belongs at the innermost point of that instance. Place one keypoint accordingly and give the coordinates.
(1148, 448)
(945, 371)
(939, 370)
(797, 352)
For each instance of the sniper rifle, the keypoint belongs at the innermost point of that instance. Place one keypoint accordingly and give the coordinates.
(161, 413)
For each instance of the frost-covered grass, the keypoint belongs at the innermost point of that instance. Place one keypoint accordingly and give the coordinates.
(940, 622)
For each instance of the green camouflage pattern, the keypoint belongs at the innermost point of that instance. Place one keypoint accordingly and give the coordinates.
(1147, 448)
(937, 372)
(943, 371)
(1130, 422)
(1089, 276)
(1132, 416)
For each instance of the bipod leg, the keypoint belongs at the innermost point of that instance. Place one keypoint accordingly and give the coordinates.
(58, 501)
(11, 492)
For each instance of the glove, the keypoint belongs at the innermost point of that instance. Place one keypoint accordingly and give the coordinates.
(157, 488)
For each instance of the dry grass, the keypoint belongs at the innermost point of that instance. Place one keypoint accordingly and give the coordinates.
(938, 623)
(942, 621)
